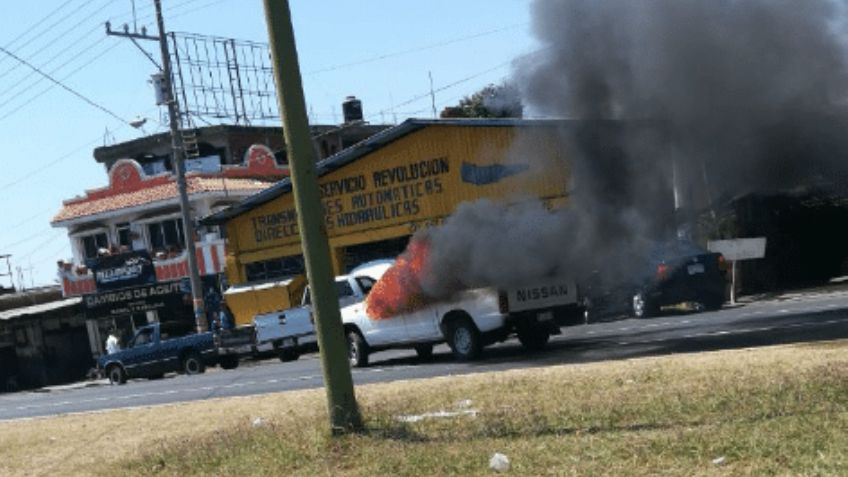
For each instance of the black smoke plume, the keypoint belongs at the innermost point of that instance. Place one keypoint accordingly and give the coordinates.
(718, 97)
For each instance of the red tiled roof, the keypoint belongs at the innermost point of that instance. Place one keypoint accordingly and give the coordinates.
(86, 206)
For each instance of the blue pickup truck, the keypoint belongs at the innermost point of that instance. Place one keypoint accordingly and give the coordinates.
(157, 349)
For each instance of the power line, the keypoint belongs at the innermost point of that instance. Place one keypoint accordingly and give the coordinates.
(25, 86)
(26, 221)
(415, 50)
(64, 157)
(71, 44)
(460, 81)
(98, 26)
(31, 99)
(52, 254)
(182, 14)
(445, 87)
(63, 86)
(27, 239)
(34, 250)
(55, 39)
(36, 25)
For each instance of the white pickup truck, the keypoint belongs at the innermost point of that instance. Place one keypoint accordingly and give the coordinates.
(474, 319)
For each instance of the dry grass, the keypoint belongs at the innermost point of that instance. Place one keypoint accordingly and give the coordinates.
(768, 411)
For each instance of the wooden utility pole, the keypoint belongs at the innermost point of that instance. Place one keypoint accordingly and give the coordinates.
(338, 381)
(177, 153)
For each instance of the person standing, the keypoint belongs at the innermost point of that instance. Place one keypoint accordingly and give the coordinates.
(112, 343)
(213, 308)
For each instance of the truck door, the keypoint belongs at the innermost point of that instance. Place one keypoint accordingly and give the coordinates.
(142, 360)
(377, 332)
(422, 324)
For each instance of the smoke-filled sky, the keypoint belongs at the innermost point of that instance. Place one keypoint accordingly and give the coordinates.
(729, 97)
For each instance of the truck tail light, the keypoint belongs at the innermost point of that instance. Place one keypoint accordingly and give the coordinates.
(662, 272)
(503, 303)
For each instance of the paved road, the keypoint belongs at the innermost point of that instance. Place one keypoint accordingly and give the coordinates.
(796, 318)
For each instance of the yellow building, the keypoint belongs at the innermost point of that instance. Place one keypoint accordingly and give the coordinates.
(379, 192)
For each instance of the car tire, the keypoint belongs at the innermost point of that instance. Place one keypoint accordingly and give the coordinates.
(534, 338)
(357, 349)
(464, 339)
(289, 354)
(424, 351)
(642, 307)
(116, 375)
(193, 363)
(229, 361)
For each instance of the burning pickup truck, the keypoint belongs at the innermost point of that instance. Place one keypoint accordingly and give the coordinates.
(469, 321)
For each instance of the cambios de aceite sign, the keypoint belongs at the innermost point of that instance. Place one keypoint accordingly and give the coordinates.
(134, 300)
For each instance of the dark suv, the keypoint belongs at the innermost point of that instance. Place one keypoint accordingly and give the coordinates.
(673, 272)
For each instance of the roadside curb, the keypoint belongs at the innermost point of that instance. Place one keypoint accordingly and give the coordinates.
(68, 387)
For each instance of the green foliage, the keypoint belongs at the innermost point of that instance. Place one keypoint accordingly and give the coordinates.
(493, 101)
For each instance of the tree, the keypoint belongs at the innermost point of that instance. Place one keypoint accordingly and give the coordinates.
(493, 101)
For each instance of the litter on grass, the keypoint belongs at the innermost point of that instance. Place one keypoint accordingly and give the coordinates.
(499, 462)
(437, 415)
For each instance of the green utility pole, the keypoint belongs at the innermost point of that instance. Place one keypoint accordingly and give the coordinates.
(338, 381)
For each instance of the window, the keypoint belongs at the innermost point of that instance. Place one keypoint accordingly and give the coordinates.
(143, 337)
(276, 268)
(92, 243)
(343, 289)
(124, 236)
(167, 236)
(365, 283)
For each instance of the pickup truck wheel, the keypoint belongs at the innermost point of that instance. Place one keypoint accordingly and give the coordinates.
(464, 339)
(116, 375)
(229, 361)
(287, 355)
(534, 338)
(424, 351)
(357, 349)
(193, 364)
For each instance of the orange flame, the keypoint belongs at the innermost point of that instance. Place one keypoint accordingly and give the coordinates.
(399, 290)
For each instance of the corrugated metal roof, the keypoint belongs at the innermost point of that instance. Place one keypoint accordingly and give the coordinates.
(362, 148)
(38, 309)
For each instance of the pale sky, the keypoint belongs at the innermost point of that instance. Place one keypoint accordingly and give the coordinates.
(382, 51)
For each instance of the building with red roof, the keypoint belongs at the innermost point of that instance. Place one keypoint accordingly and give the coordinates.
(129, 234)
